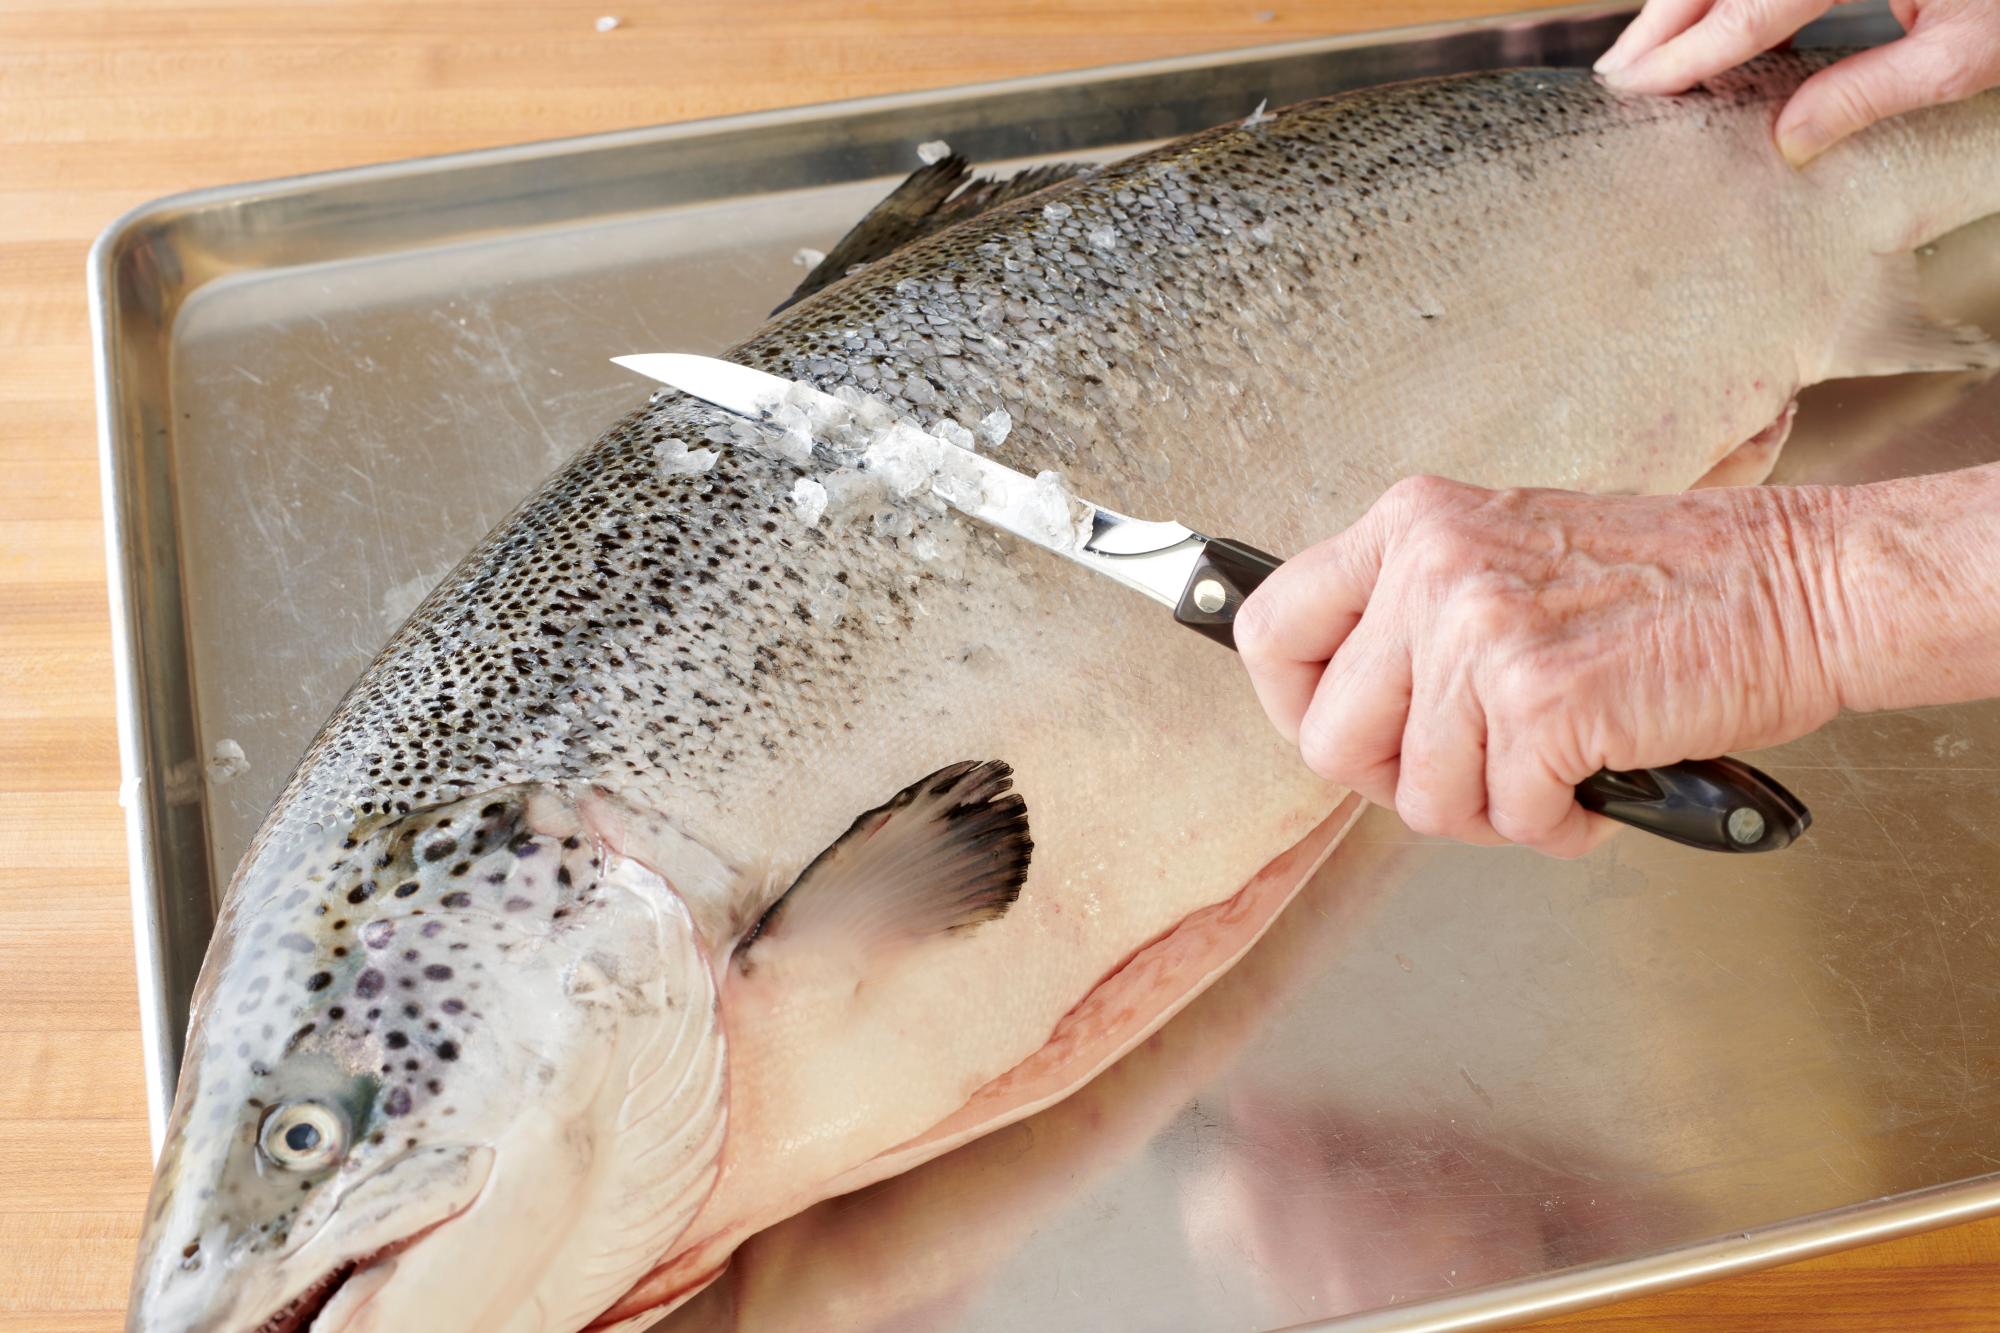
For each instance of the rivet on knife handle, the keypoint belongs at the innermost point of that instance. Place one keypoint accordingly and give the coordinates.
(1222, 578)
(1721, 805)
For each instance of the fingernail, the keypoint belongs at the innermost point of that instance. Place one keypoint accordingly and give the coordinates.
(1621, 75)
(1804, 141)
(1613, 60)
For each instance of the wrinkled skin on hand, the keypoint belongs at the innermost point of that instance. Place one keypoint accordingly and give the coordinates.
(1951, 50)
(1468, 656)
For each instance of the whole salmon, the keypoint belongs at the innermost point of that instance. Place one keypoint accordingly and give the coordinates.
(688, 857)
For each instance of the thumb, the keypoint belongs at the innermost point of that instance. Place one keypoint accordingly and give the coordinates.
(1932, 65)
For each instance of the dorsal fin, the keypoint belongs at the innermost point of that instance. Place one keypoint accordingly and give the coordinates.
(944, 853)
(933, 197)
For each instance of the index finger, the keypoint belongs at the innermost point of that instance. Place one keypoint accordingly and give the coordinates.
(1290, 627)
(1721, 39)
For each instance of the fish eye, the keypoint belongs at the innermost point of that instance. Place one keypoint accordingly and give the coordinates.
(302, 1136)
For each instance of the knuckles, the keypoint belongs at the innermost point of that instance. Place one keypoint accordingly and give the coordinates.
(1418, 496)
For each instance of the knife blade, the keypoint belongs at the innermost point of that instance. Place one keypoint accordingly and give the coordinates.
(1204, 579)
(1713, 804)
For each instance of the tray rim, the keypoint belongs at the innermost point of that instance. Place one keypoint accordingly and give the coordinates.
(1493, 1306)
(105, 248)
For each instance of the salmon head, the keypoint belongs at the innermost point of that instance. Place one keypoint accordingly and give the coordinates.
(414, 1036)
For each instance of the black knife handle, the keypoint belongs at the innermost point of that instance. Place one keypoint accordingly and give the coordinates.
(1719, 805)
(1227, 573)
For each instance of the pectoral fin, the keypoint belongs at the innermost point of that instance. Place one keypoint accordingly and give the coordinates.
(941, 855)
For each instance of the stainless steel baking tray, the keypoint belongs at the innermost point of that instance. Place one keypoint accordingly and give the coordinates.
(1453, 1087)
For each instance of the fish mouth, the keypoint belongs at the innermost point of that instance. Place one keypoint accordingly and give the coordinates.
(300, 1313)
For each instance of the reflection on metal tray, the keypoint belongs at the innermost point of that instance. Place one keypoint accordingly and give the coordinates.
(1453, 1087)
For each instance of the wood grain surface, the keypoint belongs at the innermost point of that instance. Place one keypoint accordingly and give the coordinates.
(106, 105)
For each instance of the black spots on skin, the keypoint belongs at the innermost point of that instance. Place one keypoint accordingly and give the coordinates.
(455, 899)
(370, 983)
(438, 849)
(319, 981)
(571, 584)
(447, 1050)
(396, 1041)
(453, 1006)
(397, 1103)
(437, 972)
(378, 933)
(409, 886)
(361, 893)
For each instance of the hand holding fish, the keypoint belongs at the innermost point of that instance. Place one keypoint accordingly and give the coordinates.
(1951, 51)
(1468, 656)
